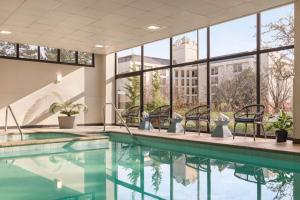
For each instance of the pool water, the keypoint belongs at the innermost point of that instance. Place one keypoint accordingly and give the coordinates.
(35, 136)
(137, 171)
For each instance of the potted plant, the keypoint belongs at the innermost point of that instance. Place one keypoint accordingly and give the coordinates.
(282, 123)
(68, 109)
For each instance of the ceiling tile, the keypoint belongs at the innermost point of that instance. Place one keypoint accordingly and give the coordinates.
(80, 24)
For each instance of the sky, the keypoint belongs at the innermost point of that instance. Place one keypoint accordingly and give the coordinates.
(230, 37)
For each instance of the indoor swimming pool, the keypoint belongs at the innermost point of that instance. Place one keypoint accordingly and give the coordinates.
(144, 168)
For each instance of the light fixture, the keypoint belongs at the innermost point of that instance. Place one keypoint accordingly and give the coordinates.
(58, 183)
(99, 46)
(58, 78)
(5, 32)
(153, 27)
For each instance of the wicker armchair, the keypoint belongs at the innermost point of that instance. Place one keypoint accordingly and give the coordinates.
(131, 113)
(249, 173)
(198, 114)
(162, 114)
(251, 114)
(197, 162)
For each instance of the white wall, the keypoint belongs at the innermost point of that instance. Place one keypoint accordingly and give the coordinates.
(30, 88)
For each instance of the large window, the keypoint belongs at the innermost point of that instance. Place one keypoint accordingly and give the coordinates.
(232, 85)
(235, 36)
(184, 48)
(157, 54)
(202, 43)
(129, 60)
(8, 49)
(28, 51)
(85, 58)
(67, 56)
(189, 87)
(48, 54)
(156, 89)
(233, 69)
(128, 94)
(277, 73)
(278, 27)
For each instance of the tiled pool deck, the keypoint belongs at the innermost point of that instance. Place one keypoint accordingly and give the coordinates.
(90, 133)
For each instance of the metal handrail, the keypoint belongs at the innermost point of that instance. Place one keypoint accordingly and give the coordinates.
(8, 108)
(119, 115)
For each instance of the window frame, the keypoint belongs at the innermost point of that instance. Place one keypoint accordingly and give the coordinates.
(257, 52)
(17, 57)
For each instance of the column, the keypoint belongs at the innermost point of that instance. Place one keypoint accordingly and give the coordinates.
(110, 88)
(296, 93)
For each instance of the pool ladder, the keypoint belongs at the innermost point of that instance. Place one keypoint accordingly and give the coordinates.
(8, 108)
(118, 114)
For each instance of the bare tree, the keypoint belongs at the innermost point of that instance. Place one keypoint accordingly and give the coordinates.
(232, 94)
(278, 77)
(277, 81)
(283, 31)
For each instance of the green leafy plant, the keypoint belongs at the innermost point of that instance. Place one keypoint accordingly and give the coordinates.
(68, 108)
(283, 122)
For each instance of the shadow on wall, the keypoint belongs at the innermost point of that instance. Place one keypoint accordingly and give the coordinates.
(38, 112)
(30, 88)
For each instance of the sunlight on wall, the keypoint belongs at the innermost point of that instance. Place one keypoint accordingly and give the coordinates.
(30, 88)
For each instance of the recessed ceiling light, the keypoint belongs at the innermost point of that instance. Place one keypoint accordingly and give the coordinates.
(5, 32)
(99, 46)
(153, 27)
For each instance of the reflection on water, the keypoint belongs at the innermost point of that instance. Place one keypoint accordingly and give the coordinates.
(146, 173)
(127, 171)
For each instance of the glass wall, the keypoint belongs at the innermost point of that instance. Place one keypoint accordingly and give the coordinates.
(189, 89)
(128, 95)
(235, 36)
(277, 73)
(156, 89)
(226, 72)
(157, 54)
(184, 48)
(129, 60)
(277, 27)
(202, 43)
(232, 85)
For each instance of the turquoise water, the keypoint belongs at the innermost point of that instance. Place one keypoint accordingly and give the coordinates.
(147, 170)
(35, 136)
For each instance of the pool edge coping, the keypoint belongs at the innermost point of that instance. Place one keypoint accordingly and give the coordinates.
(238, 146)
(81, 137)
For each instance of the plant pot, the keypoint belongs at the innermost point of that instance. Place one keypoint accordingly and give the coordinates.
(66, 122)
(281, 135)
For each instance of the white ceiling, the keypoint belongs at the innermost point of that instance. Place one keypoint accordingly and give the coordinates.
(120, 24)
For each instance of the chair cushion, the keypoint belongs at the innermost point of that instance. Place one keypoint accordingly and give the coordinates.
(244, 119)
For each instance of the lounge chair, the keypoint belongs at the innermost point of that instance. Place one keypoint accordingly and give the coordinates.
(161, 114)
(131, 113)
(198, 114)
(251, 114)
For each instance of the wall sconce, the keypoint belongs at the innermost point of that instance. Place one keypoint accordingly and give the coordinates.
(58, 183)
(58, 78)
